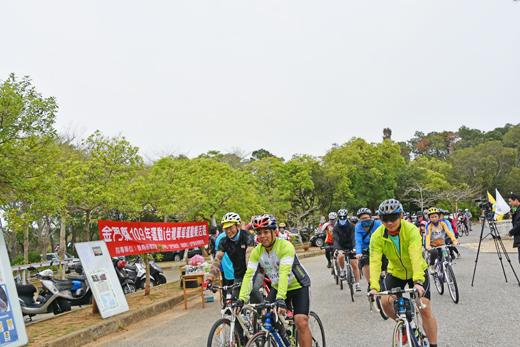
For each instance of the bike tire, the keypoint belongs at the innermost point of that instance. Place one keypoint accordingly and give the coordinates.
(317, 331)
(421, 339)
(261, 339)
(398, 331)
(453, 288)
(380, 307)
(350, 282)
(437, 278)
(219, 334)
(341, 285)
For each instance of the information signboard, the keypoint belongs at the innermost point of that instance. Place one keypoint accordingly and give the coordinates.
(12, 326)
(102, 278)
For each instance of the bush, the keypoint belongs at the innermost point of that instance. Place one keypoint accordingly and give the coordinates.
(34, 257)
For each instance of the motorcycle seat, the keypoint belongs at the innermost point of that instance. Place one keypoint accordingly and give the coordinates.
(131, 267)
(77, 277)
(27, 289)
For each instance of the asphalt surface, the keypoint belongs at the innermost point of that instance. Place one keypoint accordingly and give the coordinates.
(487, 314)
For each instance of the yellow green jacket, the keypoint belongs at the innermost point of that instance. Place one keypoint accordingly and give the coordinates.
(409, 265)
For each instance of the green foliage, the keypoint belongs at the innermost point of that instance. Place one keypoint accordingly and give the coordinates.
(34, 257)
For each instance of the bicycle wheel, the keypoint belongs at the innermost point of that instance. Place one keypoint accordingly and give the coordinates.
(261, 339)
(341, 284)
(317, 331)
(452, 284)
(220, 334)
(350, 282)
(336, 272)
(399, 331)
(459, 228)
(380, 307)
(437, 279)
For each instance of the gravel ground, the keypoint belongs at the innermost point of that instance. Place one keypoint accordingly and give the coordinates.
(487, 313)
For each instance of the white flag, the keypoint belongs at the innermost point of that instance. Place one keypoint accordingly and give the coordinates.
(502, 206)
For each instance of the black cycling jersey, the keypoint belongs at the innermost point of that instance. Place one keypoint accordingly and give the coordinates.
(236, 251)
(344, 237)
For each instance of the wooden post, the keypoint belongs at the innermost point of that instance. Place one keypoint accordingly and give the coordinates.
(95, 308)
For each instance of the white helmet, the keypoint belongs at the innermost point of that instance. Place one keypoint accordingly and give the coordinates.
(333, 215)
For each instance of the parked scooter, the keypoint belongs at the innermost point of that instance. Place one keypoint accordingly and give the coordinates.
(126, 283)
(81, 292)
(137, 273)
(53, 296)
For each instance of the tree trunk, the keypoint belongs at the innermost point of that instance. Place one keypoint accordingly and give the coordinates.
(147, 267)
(166, 219)
(87, 225)
(73, 232)
(47, 231)
(26, 244)
(61, 251)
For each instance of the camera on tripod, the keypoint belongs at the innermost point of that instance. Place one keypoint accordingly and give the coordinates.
(484, 204)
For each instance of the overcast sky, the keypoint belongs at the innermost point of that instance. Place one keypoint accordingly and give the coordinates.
(287, 76)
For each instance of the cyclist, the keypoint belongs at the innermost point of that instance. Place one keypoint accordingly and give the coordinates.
(282, 233)
(237, 244)
(329, 243)
(345, 241)
(407, 217)
(420, 222)
(401, 242)
(436, 231)
(291, 282)
(468, 217)
(453, 229)
(364, 230)
(354, 220)
(462, 218)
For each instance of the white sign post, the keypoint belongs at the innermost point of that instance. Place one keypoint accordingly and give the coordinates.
(12, 326)
(102, 278)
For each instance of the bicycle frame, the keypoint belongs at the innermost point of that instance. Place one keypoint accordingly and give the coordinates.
(447, 260)
(398, 294)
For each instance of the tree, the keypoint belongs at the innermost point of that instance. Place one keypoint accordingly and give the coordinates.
(26, 129)
(364, 174)
(387, 134)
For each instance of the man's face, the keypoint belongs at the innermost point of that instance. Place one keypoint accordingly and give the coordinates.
(434, 218)
(364, 217)
(392, 222)
(514, 203)
(265, 236)
(231, 231)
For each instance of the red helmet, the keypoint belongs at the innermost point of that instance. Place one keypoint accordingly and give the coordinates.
(121, 264)
(265, 221)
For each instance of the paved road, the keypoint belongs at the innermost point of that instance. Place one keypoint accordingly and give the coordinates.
(486, 315)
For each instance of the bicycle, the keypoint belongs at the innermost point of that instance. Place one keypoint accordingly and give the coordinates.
(366, 255)
(336, 271)
(350, 275)
(409, 317)
(444, 274)
(462, 227)
(223, 332)
(281, 332)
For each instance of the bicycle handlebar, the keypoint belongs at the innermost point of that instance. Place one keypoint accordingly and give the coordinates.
(214, 287)
(395, 291)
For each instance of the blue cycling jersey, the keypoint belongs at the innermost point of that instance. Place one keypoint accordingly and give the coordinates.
(226, 264)
(363, 238)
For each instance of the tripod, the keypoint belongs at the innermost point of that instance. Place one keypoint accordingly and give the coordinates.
(499, 245)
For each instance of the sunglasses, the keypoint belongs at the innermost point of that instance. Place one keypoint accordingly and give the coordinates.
(391, 218)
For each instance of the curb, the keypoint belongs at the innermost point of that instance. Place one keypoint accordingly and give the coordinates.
(110, 325)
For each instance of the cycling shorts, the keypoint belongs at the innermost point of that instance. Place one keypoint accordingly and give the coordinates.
(366, 261)
(299, 299)
(394, 282)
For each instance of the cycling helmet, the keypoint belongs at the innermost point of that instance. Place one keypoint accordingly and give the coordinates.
(282, 225)
(230, 218)
(342, 214)
(441, 211)
(364, 210)
(354, 219)
(333, 215)
(434, 210)
(390, 206)
(459, 210)
(264, 221)
(419, 214)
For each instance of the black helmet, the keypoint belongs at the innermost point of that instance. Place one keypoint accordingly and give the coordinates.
(419, 214)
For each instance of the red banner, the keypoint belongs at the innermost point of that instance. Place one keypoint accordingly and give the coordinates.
(126, 238)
